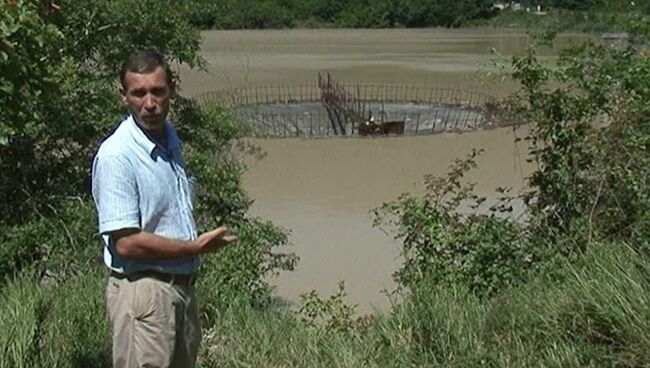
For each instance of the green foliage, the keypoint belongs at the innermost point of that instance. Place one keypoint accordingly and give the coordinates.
(241, 270)
(609, 293)
(210, 142)
(246, 336)
(55, 325)
(60, 240)
(57, 99)
(58, 88)
(62, 69)
(596, 316)
(246, 14)
(441, 245)
(260, 14)
(589, 135)
(614, 17)
(435, 326)
(332, 314)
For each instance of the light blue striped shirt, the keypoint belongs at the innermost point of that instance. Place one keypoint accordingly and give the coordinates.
(137, 183)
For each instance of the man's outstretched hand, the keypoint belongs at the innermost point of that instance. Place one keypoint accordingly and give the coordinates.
(214, 240)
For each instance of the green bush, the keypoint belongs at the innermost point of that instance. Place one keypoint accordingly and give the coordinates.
(62, 66)
(331, 314)
(441, 245)
(58, 77)
(59, 241)
(589, 137)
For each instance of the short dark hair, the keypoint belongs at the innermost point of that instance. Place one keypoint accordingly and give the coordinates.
(143, 62)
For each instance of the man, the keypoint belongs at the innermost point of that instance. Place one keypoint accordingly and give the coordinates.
(143, 200)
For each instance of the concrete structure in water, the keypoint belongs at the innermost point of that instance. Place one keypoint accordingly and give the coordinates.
(330, 108)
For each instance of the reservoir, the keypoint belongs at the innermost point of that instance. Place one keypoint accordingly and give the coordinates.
(322, 190)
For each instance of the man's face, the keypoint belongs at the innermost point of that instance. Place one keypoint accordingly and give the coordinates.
(148, 97)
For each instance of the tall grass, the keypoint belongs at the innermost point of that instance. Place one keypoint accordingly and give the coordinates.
(596, 316)
(21, 310)
(246, 337)
(56, 325)
(592, 314)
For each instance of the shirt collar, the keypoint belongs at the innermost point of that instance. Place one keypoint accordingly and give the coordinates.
(146, 142)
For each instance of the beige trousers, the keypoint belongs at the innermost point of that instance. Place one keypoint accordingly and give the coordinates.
(155, 324)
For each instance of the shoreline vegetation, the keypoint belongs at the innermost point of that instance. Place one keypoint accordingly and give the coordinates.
(559, 15)
(569, 288)
(559, 20)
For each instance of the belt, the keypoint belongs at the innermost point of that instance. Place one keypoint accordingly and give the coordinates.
(169, 278)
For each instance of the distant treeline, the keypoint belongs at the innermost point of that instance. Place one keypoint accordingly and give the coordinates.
(253, 14)
(595, 16)
(609, 5)
(256, 14)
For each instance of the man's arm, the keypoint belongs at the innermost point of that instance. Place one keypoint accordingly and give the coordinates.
(136, 244)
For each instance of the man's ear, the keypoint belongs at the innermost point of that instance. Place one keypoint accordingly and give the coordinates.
(122, 92)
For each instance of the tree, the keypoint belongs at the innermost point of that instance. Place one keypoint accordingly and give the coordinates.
(578, 4)
(57, 80)
(58, 98)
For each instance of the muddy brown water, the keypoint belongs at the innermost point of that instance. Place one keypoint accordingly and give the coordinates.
(323, 190)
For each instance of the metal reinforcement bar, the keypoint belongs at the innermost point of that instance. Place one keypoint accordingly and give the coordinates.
(343, 107)
(329, 108)
(310, 92)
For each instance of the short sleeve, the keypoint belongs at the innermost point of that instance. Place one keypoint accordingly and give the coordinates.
(115, 192)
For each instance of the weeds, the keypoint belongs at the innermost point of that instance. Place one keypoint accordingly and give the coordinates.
(332, 314)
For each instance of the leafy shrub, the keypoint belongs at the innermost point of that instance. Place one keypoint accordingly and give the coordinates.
(58, 72)
(441, 245)
(589, 137)
(62, 66)
(58, 75)
(332, 314)
(60, 240)
(241, 270)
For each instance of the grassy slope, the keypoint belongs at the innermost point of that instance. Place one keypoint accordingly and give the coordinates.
(597, 315)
